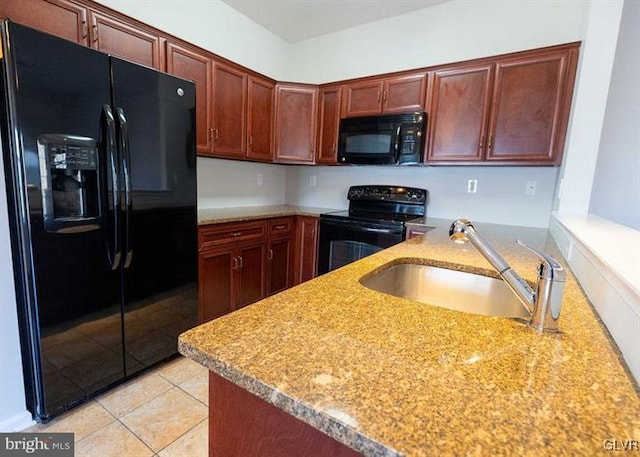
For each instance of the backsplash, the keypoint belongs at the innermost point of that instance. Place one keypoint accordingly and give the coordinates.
(500, 195)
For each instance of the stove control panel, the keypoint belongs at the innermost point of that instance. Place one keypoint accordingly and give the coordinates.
(394, 194)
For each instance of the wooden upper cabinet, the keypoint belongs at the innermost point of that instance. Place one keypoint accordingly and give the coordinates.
(457, 119)
(229, 108)
(260, 99)
(527, 107)
(391, 95)
(126, 41)
(363, 98)
(512, 110)
(189, 63)
(328, 124)
(61, 18)
(295, 126)
(404, 94)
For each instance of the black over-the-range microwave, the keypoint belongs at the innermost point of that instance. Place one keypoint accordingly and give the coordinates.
(392, 139)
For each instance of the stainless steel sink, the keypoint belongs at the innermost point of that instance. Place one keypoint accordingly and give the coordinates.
(446, 288)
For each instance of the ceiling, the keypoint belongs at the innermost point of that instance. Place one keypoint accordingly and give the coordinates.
(297, 20)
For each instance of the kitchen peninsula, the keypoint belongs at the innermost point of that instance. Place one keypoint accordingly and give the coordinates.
(385, 376)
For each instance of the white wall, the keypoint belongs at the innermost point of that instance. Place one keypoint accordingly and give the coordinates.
(13, 414)
(449, 32)
(590, 98)
(215, 26)
(616, 186)
(229, 183)
(500, 196)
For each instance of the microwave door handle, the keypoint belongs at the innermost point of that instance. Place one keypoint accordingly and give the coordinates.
(398, 139)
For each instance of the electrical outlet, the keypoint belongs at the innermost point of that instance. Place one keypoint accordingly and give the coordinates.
(472, 186)
(531, 188)
(313, 180)
(260, 180)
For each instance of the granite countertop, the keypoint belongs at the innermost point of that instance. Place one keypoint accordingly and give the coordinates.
(248, 213)
(392, 377)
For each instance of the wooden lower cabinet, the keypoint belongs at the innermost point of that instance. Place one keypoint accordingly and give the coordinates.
(242, 424)
(231, 267)
(243, 262)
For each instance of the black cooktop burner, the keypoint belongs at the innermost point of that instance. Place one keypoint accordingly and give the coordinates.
(388, 205)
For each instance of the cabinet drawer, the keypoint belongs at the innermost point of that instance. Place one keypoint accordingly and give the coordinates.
(280, 226)
(217, 234)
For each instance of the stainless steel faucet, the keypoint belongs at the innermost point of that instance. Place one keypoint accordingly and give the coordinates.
(544, 303)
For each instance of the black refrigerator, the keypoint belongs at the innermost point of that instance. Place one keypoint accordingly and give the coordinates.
(100, 164)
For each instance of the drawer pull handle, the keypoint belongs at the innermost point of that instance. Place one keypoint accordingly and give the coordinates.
(280, 227)
(236, 234)
(234, 263)
(270, 254)
(239, 261)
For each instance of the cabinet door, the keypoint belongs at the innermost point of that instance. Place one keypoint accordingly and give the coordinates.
(250, 273)
(296, 111)
(404, 94)
(279, 265)
(458, 114)
(122, 40)
(216, 283)
(527, 108)
(260, 97)
(61, 18)
(307, 251)
(363, 99)
(190, 64)
(328, 124)
(229, 108)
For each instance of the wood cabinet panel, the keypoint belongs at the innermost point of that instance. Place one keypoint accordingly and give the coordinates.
(526, 107)
(122, 40)
(260, 99)
(241, 424)
(280, 255)
(279, 258)
(216, 285)
(307, 248)
(458, 114)
(328, 125)
(188, 63)
(250, 273)
(62, 18)
(295, 126)
(403, 94)
(363, 99)
(229, 108)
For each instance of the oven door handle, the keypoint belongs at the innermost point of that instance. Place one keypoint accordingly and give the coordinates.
(377, 230)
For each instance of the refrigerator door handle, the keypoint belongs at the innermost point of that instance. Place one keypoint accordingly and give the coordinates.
(126, 167)
(113, 242)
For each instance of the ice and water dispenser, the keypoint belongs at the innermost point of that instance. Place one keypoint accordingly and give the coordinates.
(70, 180)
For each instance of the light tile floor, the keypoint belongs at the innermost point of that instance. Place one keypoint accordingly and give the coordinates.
(162, 413)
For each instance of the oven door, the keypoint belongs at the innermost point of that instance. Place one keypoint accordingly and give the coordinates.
(345, 241)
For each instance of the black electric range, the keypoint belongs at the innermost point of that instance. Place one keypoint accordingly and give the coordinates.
(374, 221)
